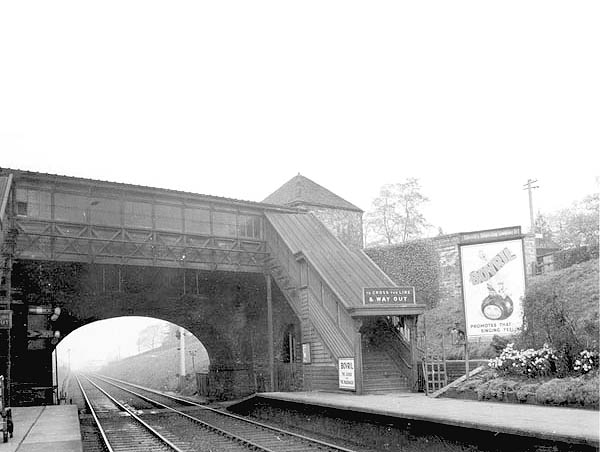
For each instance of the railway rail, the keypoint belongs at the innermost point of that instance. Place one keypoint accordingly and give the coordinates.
(119, 427)
(131, 416)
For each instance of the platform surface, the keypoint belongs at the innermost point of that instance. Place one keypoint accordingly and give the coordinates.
(53, 428)
(571, 425)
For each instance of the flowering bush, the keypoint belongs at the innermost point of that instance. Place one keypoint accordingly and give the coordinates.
(586, 361)
(531, 363)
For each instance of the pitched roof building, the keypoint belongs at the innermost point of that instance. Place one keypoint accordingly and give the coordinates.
(300, 191)
(342, 218)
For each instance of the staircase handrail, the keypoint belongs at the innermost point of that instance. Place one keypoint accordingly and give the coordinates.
(403, 341)
(398, 357)
(4, 200)
(337, 344)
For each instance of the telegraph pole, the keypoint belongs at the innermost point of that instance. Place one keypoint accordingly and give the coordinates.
(181, 358)
(528, 186)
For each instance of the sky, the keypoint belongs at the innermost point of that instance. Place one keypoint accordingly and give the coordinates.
(102, 341)
(234, 98)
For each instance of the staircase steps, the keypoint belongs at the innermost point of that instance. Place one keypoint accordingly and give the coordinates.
(380, 373)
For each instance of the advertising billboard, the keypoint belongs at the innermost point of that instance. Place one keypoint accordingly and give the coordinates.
(346, 374)
(493, 279)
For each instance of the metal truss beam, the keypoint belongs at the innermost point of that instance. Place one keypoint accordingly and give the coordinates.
(47, 240)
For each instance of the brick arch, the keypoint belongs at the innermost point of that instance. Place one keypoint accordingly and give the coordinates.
(226, 311)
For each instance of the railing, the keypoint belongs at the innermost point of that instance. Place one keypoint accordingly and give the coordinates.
(401, 348)
(51, 240)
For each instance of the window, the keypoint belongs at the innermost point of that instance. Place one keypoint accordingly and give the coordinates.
(71, 208)
(197, 221)
(289, 353)
(168, 217)
(249, 226)
(224, 224)
(21, 208)
(33, 203)
(137, 214)
(105, 212)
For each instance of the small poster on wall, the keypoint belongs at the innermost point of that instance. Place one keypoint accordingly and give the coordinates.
(306, 359)
(346, 374)
(493, 276)
(5, 319)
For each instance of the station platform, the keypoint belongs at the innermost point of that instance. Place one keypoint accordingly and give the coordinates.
(52, 428)
(569, 425)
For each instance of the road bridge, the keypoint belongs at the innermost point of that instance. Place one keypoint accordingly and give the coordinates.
(275, 297)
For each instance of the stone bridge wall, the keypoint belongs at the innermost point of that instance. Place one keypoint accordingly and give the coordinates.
(226, 311)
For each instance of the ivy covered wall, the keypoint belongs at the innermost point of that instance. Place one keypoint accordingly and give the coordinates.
(412, 264)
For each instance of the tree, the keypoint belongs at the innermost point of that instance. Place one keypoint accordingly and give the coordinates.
(151, 337)
(543, 226)
(396, 213)
(578, 224)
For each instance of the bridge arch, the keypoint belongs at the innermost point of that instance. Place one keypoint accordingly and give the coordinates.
(109, 340)
(226, 311)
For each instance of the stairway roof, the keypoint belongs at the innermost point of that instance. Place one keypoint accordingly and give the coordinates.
(346, 270)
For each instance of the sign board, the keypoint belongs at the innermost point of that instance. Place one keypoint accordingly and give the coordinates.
(5, 319)
(493, 280)
(389, 295)
(47, 310)
(346, 374)
(490, 235)
(306, 359)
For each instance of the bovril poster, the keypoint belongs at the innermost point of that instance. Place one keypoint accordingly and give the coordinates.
(493, 276)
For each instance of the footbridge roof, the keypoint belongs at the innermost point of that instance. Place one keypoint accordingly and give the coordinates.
(91, 184)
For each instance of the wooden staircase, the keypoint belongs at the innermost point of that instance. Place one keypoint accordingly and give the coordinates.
(380, 373)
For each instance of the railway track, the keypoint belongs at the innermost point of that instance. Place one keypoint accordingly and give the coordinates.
(119, 428)
(157, 421)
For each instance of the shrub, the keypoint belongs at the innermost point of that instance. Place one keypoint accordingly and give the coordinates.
(473, 382)
(569, 257)
(497, 389)
(561, 308)
(498, 344)
(582, 391)
(526, 392)
(530, 363)
(586, 391)
(586, 362)
(554, 392)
